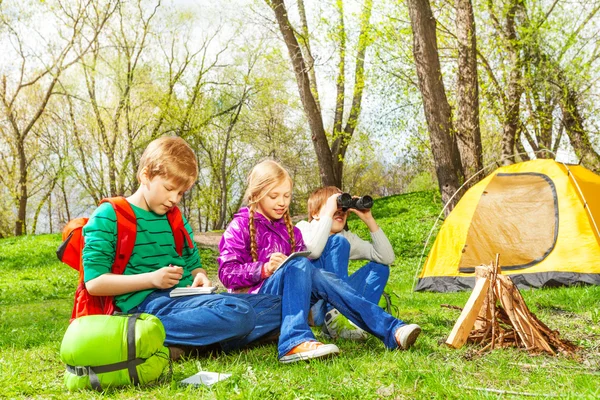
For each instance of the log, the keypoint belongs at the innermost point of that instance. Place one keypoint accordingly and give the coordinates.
(484, 313)
(467, 317)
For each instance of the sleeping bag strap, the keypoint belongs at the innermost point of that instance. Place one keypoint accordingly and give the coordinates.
(130, 364)
(93, 372)
(131, 351)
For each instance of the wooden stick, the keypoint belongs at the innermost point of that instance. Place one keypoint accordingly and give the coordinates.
(493, 300)
(533, 331)
(507, 303)
(451, 306)
(483, 350)
(587, 370)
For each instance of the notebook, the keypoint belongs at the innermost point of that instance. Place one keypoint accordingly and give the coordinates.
(292, 256)
(191, 291)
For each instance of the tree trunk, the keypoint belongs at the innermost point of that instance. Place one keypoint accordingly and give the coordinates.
(223, 170)
(546, 121)
(341, 142)
(112, 174)
(340, 83)
(511, 113)
(310, 61)
(22, 197)
(580, 140)
(66, 200)
(468, 133)
(435, 103)
(521, 150)
(309, 103)
(543, 99)
(133, 167)
(199, 219)
(515, 90)
(47, 197)
(558, 138)
(50, 213)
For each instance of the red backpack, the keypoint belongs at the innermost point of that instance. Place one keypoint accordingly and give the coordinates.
(70, 252)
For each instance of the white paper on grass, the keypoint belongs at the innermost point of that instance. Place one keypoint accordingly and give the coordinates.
(205, 378)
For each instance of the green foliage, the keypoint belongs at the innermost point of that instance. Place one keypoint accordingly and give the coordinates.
(36, 299)
(42, 277)
(421, 182)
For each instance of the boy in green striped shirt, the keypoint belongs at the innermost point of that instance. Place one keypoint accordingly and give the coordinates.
(167, 169)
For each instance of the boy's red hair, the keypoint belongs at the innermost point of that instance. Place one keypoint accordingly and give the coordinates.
(171, 158)
(318, 198)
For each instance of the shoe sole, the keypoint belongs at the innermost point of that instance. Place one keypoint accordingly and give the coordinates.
(308, 355)
(411, 339)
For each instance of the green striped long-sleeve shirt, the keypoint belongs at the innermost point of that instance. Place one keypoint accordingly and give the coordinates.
(154, 248)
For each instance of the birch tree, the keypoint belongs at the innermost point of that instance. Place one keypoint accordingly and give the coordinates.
(330, 157)
(39, 71)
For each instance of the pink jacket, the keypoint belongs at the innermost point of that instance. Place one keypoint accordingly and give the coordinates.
(237, 271)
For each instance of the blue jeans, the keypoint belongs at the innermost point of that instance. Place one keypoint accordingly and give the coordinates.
(301, 284)
(368, 281)
(232, 320)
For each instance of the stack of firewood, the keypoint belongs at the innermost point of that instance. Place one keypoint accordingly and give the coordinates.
(499, 317)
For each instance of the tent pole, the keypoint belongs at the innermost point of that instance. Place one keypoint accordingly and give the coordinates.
(585, 203)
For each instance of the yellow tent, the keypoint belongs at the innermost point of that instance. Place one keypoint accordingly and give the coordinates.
(541, 216)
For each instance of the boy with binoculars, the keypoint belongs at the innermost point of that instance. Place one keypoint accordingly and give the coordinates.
(332, 247)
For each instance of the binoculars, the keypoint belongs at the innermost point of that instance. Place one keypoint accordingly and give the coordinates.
(346, 201)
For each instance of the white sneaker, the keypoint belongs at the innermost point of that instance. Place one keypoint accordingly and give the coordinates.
(336, 325)
(309, 350)
(406, 335)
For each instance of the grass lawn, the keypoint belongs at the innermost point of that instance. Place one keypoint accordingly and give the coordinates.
(36, 299)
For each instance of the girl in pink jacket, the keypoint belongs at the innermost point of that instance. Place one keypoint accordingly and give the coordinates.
(252, 251)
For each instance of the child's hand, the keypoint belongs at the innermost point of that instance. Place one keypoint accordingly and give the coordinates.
(167, 277)
(367, 217)
(330, 206)
(364, 215)
(201, 280)
(274, 262)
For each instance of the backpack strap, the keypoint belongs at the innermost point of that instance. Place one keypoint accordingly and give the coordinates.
(180, 234)
(126, 232)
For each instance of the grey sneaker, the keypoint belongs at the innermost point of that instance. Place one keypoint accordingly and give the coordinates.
(406, 335)
(309, 350)
(336, 325)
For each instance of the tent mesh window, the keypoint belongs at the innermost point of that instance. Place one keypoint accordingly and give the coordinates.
(516, 217)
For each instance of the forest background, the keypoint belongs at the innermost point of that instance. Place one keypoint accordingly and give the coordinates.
(379, 97)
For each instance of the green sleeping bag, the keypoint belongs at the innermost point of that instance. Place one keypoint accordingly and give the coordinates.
(103, 351)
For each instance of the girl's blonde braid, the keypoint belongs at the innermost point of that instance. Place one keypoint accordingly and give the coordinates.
(290, 229)
(253, 245)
